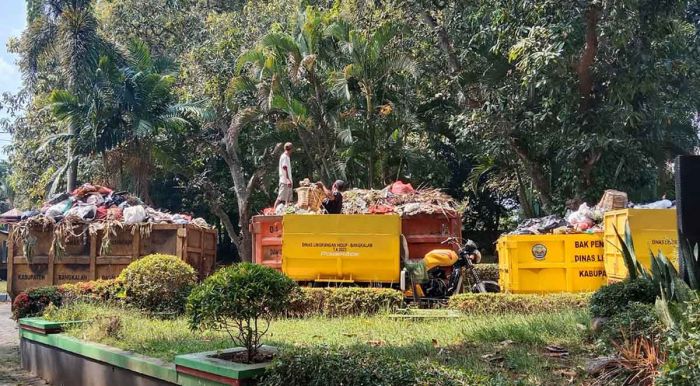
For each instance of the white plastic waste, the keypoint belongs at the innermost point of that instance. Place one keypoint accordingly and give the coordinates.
(661, 204)
(134, 214)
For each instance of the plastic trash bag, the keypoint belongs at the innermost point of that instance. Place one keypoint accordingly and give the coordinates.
(661, 204)
(134, 214)
(84, 212)
(58, 209)
(95, 199)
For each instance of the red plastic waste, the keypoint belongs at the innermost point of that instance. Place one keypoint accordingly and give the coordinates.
(399, 187)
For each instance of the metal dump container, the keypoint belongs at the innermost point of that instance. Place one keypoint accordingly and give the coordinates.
(85, 257)
(342, 248)
(653, 230)
(423, 233)
(551, 263)
(267, 240)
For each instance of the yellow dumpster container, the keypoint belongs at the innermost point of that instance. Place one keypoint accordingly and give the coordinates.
(652, 230)
(341, 248)
(551, 263)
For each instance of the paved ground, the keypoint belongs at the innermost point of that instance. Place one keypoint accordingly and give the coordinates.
(10, 371)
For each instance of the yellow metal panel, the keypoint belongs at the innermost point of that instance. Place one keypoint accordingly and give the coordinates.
(551, 263)
(653, 230)
(360, 248)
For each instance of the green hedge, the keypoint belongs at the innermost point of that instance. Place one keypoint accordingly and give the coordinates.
(96, 290)
(494, 303)
(614, 298)
(487, 271)
(320, 366)
(158, 283)
(343, 301)
(33, 302)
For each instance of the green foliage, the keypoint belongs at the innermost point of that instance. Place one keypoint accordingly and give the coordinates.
(690, 262)
(487, 271)
(326, 366)
(236, 298)
(158, 283)
(636, 320)
(332, 302)
(683, 345)
(361, 301)
(614, 298)
(500, 303)
(93, 291)
(34, 301)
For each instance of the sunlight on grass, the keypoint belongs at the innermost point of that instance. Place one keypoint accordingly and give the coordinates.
(486, 344)
(3, 286)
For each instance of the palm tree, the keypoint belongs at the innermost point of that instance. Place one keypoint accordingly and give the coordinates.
(123, 114)
(150, 110)
(376, 68)
(288, 72)
(63, 33)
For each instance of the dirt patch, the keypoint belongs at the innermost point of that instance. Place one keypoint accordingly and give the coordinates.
(262, 356)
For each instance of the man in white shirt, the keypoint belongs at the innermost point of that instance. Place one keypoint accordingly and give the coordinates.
(285, 171)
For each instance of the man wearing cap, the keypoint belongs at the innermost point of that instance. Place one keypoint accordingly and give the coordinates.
(285, 194)
(333, 203)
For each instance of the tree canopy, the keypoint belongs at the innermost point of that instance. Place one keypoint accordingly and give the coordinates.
(531, 105)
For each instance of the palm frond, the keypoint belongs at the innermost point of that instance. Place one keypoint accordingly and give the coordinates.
(139, 55)
(340, 30)
(255, 56)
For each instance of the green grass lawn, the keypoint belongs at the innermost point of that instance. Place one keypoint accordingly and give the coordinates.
(512, 347)
(3, 286)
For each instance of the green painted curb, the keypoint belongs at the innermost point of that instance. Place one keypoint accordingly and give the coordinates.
(45, 324)
(203, 361)
(125, 359)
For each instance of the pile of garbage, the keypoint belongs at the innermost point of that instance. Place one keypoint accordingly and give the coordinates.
(586, 219)
(97, 204)
(405, 203)
(398, 198)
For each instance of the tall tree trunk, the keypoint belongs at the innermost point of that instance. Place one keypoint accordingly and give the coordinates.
(536, 173)
(142, 172)
(453, 63)
(588, 55)
(370, 133)
(242, 187)
(72, 172)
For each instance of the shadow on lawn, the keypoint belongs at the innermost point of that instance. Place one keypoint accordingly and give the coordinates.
(504, 363)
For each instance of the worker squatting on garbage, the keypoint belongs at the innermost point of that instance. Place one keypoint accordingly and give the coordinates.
(333, 203)
(285, 194)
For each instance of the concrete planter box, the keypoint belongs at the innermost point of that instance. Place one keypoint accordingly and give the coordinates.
(192, 368)
(63, 360)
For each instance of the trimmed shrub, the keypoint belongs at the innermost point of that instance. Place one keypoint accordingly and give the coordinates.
(361, 301)
(34, 301)
(637, 320)
(487, 271)
(92, 291)
(158, 283)
(241, 300)
(682, 366)
(615, 298)
(500, 303)
(305, 301)
(320, 366)
(342, 301)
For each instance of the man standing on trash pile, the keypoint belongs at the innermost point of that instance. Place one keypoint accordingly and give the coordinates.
(333, 203)
(285, 194)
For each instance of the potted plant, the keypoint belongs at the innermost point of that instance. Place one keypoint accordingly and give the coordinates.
(240, 300)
